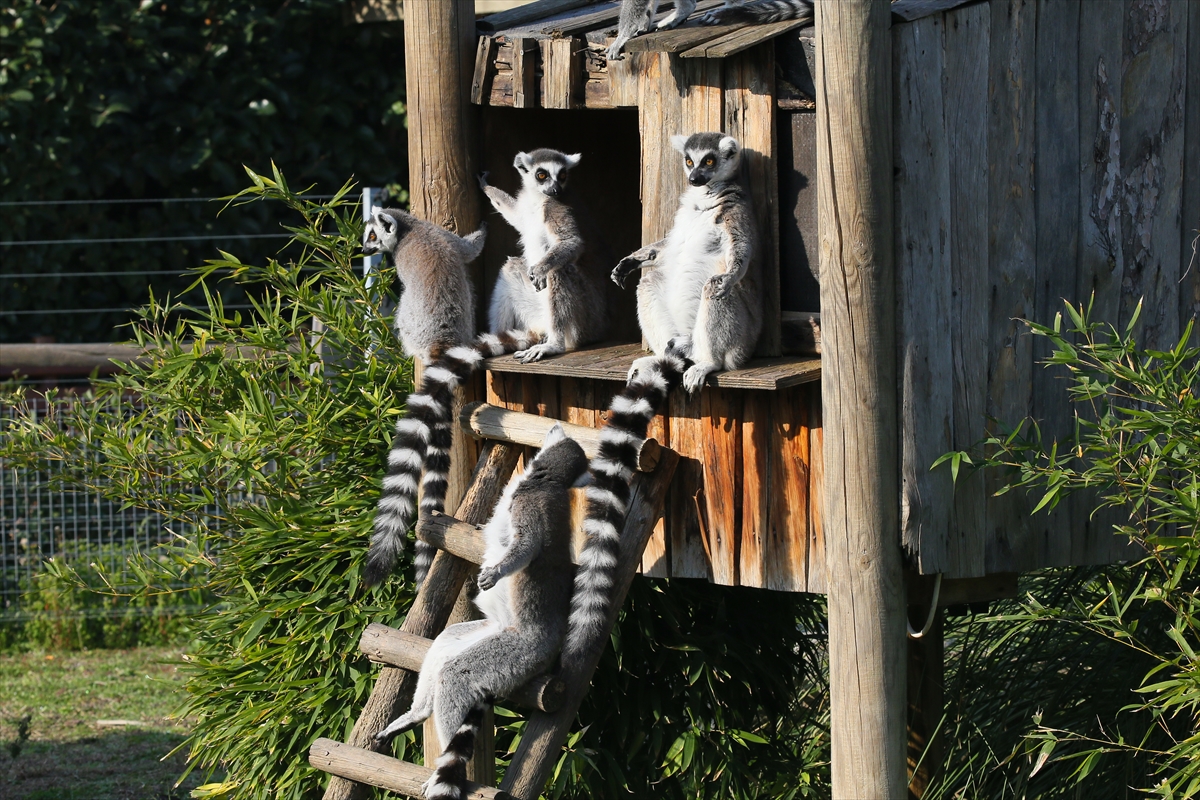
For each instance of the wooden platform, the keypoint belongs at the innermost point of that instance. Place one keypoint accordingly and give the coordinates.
(611, 363)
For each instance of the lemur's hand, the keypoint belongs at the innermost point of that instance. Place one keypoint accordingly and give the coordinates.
(483, 184)
(537, 276)
(718, 286)
(488, 577)
(627, 265)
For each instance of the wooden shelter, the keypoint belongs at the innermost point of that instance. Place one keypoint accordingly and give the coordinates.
(954, 166)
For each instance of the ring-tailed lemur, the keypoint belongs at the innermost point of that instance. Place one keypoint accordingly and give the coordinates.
(701, 296)
(550, 291)
(525, 583)
(636, 16)
(607, 493)
(435, 320)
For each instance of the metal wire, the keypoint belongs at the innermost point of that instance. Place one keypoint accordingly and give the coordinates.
(105, 310)
(138, 200)
(136, 239)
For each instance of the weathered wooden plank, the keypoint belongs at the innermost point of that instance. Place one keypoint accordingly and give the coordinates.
(924, 351)
(543, 736)
(912, 10)
(562, 72)
(722, 447)
(1011, 251)
(357, 764)
(656, 558)
(790, 498)
(818, 572)
(703, 98)
(685, 37)
(1056, 205)
(689, 558)
(660, 115)
(485, 54)
(799, 279)
(866, 598)
(750, 118)
(525, 73)
(1152, 115)
(527, 13)
(1189, 264)
(758, 487)
(967, 34)
(743, 39)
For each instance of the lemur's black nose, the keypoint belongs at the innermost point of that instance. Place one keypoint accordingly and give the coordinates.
(696, 180)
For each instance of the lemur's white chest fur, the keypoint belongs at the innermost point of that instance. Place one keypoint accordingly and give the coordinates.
(694, 252)
(530, 222)
(496, 602)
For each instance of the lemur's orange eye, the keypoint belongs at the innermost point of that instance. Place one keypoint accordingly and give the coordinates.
(708, 162)
(542, 175)
(688, 161)
(371, 236)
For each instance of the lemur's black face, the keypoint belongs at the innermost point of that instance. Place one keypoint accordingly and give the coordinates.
(551, 178)
(545, 170)
(701, 166)
(708, 157)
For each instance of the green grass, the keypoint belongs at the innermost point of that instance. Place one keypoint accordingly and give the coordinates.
(100, 725)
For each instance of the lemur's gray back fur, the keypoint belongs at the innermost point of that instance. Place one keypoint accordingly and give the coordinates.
(554, 291)
(525, 584)
(700, 294)
(636, 16)
(435, 320)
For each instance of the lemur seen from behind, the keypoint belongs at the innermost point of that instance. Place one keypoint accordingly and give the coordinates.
(699, 294)
(637, 15)
(552, 293)
(525, 592)
(435, 320)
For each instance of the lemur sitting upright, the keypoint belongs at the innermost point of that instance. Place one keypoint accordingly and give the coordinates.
(435, 320)
(700, 298)
(548, 292)
(636, 16)
(525, 582)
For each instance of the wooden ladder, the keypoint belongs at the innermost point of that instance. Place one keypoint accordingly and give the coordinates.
(554, 699)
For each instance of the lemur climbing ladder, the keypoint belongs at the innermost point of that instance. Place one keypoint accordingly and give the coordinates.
(554, 699)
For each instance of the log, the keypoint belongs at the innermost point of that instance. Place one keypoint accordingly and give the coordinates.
(457, 538)
(492, 422)
(867, 653)
(386, 645)
(430, 611)
(40, 360)
(367, 767)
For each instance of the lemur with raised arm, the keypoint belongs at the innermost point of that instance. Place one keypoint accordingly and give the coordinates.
(525, 593)
(552, 293)
(699, 294)
(637, 15)
(435, 320)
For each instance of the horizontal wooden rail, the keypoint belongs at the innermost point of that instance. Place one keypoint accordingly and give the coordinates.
(492, 422)
(457, 538)
(65, 360)
(399, 649)
(376, 769)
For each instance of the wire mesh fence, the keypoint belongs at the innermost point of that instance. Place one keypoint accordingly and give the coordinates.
(43, 515)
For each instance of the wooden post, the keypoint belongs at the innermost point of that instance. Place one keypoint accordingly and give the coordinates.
(861, 495)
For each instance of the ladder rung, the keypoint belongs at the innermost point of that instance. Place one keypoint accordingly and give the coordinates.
(492, 422)
(386, 772)
(457, 538)
(399, 649)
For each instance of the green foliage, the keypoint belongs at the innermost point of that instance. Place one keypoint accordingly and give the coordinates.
(127, 99)
(1136, 450)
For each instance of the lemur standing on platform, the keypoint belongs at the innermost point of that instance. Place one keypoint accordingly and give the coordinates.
(701, 296)
(548, 292)
(435, 320)
(525, 583)
(636, 16)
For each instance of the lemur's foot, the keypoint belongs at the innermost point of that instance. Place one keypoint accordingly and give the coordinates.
(695, 376)
(537, 352)
(718, 286)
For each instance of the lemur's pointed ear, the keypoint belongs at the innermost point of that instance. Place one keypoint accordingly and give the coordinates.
(523, 163)
(385, 221)
(572, 160)
(679, 142)
(728, 146)
(556, 435)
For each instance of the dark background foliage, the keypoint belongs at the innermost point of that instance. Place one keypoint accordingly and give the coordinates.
(129, 99)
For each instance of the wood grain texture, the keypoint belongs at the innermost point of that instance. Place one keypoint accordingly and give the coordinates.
(1189, 264)
(789, 503)
(544, 734)
(1011, 251)
(689, 558)
(722, 447)
(750, 118)
(660, 116)
(351, 763)
(1056, 205)
(429, 612)
(924, 351)
(525, 73)
(481, 79)
(799, 286)
(818, 570)
(562, 72)
(656, 557)
(742, 39)
(865, 580)
(528, 13)
(967, 33)
(758, 488)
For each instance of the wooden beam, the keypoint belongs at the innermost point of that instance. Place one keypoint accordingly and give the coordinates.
(385, 645)
(867, 653)
(40, 360)
(349, 763)
(481, 79)
(743, 39)
(527, 13)
(429, 612)
(562, 72)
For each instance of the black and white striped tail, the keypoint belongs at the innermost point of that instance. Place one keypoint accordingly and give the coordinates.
(499, 344)
(449, 781)
(419, 457)
(760, 11)
(611, 470)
